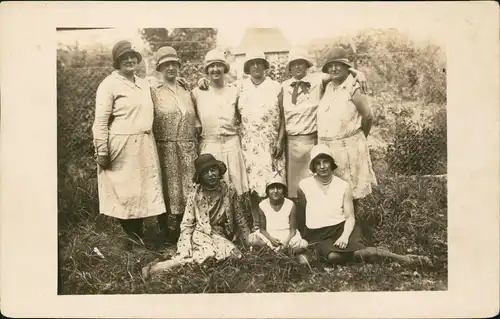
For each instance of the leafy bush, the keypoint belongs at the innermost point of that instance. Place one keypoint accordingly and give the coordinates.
(419, 148)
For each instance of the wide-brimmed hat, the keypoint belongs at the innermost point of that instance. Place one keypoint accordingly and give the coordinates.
(254, 55)
(336, 55)
(299, 54)
(204, 162)
(166, 54)
(321, 150)
(120, 48)
(214, 56)
(277, 179)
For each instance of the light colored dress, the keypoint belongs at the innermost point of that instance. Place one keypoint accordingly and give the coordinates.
(278, 225)
(174, 129)
(210, 218)
(131, 188)
(339, 126)
(216, 111)
(260, 124)
(301, 128)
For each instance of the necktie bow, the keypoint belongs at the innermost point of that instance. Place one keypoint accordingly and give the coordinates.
(304, 86)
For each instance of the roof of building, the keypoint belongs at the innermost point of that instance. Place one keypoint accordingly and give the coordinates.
(263, 39)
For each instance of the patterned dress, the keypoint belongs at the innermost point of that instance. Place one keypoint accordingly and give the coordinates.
(339, 126)
(211, 219)
(131, 188)
(174, 128)
(260, 124)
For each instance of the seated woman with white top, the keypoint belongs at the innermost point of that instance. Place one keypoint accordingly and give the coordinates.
(325, 203)
(277, 220)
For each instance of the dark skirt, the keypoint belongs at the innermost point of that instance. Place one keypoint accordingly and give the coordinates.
(322, 239)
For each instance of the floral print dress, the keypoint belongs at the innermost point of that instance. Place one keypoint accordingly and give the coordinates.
(258, 106)
(211, 219)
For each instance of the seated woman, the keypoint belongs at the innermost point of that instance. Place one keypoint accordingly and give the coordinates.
(211, 219)
(277, 220)
(330, 227)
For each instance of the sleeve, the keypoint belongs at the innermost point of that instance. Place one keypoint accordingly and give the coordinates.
(188, 223)
(103, 108)
(197, 122)
(239, 218)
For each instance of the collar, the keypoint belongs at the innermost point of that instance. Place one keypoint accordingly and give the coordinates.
(138, 81)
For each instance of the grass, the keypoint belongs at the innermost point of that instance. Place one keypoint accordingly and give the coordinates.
(406, 215)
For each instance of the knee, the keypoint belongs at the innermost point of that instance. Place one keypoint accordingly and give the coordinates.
(255, 240)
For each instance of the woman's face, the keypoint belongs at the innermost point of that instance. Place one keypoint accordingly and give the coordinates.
(298, 68)
(128, 63)
(257, 69)
(323, 166)
(216, 71)
(211, 176)
(170, 70)
(276, 192)
(339, 71)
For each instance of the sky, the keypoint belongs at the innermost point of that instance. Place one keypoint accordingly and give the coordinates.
(231, 36)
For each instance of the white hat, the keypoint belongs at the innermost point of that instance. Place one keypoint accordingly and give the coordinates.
(320, 149)
(299, 53)
(255, 55)
(214, 56)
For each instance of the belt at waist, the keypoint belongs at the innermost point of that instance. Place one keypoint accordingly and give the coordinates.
(355, 134)
(218, 138)
(142, 132)
(173, 140)
(303, 137)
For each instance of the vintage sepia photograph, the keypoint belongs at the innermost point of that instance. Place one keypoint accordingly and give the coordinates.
(251, 159)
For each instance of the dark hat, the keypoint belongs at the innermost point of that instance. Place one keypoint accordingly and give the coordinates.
(165, 54)
(204, 162)
(336, 55)
(120, 48)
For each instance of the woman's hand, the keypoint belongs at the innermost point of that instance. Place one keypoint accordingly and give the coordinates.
(341, 242)
(203, 84)
(361, 79)
(274, 241)
(103, 161)
(183, 82)
(187, 253)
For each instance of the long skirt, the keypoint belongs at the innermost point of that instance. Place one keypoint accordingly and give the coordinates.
(352, 156)
(322, 239)
(131, 188)
(206, 246)
(298, 157)
(177, 166)
(228, 150)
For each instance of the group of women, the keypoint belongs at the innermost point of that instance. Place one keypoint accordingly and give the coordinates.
(210, 155)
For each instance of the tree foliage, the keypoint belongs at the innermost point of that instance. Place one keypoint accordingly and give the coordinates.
(192, 44)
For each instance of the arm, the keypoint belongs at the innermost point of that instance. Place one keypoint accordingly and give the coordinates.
(280, 143)
(300, 215)
(350, 219)
(293, 224)
(239, 219)
(197, 123)
(103, 109)
(187, 227)
(360, 78)
(263, 229)
(365, 110)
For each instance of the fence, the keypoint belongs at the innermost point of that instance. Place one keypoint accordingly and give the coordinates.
(407, 140)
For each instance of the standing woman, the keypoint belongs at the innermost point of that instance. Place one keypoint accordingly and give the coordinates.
(262, 128)
(176, 129)
(129, 181)
(344, 122)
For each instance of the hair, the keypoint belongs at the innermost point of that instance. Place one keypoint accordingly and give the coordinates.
(332, 162)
